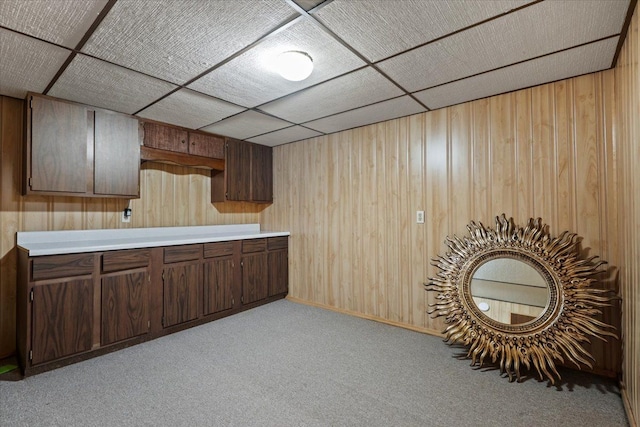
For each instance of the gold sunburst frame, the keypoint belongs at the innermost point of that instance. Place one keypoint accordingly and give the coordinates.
(558, 334)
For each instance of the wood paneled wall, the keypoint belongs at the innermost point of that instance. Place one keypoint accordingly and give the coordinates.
(350, 198)
(170, 196)
(628, 133)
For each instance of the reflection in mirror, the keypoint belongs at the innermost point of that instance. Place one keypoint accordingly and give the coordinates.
(514, 292)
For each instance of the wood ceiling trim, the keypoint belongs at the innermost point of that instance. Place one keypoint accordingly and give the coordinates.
(103, 13)
(625, 30)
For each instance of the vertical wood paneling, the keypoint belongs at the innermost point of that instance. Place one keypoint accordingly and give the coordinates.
(169, 196)
(627, 153)
(544, 151)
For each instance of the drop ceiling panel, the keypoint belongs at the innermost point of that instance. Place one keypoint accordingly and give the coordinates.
(308, 4)
(537, 30)
(250, 81)
(283, 136)
(356, 89)
(247, 124)
(381, 28)
(581, 60)
(34, 63)
(189, 109)
(63, 22)
(386, 110)
(98, 83)
(178, 40)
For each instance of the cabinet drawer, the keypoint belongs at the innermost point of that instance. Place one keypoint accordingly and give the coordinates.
(218, 249)
(52, 267)
(182, 253)
(274, 243)
(254, 245)
(125, 260)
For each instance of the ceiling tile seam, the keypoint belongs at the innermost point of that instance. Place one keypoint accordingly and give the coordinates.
(285, 128)
(519, 89)
(92, 28)
(254, 110)
(36, 38)
(320, 6)
(624, 31)
(353, 109)
(437, 39)
(339, 39)
(284, 25)
(368, 124)
(310, 87)
(519, 62)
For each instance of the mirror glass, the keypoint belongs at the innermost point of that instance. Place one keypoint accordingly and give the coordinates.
(509, 291)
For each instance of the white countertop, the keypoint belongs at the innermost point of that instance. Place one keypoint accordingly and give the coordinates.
(39, 243)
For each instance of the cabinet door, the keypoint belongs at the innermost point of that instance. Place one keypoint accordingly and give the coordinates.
(278, 272)
(261, 173)
(117, 155)
(218, 285)
(180, 293)
(255, 277)
(58, 146)
(62, 319)
(206, 145)
(165, 137)
(124, 306)
(238, 170)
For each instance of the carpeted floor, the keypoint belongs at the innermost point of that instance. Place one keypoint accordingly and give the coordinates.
(286, 364)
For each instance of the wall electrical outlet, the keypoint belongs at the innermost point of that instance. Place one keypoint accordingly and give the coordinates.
(126, 215)
(420, 217)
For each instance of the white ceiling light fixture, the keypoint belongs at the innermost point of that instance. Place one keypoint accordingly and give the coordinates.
(294, 65)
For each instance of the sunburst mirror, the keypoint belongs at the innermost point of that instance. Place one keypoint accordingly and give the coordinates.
(519, 297)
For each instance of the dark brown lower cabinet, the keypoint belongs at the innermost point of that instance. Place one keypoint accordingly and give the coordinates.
(218, 285)
(62, 319)
(180, 285)
(75, 306)
(278, 272)
(124, 306)
(255, 277)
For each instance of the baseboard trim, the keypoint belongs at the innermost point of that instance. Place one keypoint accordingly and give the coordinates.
(627, 407)
(368, 317)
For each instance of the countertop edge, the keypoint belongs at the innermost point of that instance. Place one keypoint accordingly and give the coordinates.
(37, 249)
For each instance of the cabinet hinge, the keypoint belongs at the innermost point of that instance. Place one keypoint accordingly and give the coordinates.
(163, 276)
(31, 102)
(31, 295)
(242, 299)
(162, 320)
(30, 354)
(148, 324)
(30, 182)
(233, 302)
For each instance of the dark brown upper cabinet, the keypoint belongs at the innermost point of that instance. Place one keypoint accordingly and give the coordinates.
(76, 150)
(247, 176)
(179, 140)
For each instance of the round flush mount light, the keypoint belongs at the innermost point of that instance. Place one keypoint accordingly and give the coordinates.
(294, 65)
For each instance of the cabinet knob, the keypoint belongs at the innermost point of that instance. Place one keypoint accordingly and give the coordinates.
(183, 141)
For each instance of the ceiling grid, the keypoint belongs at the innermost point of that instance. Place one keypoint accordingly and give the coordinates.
(207, 64)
